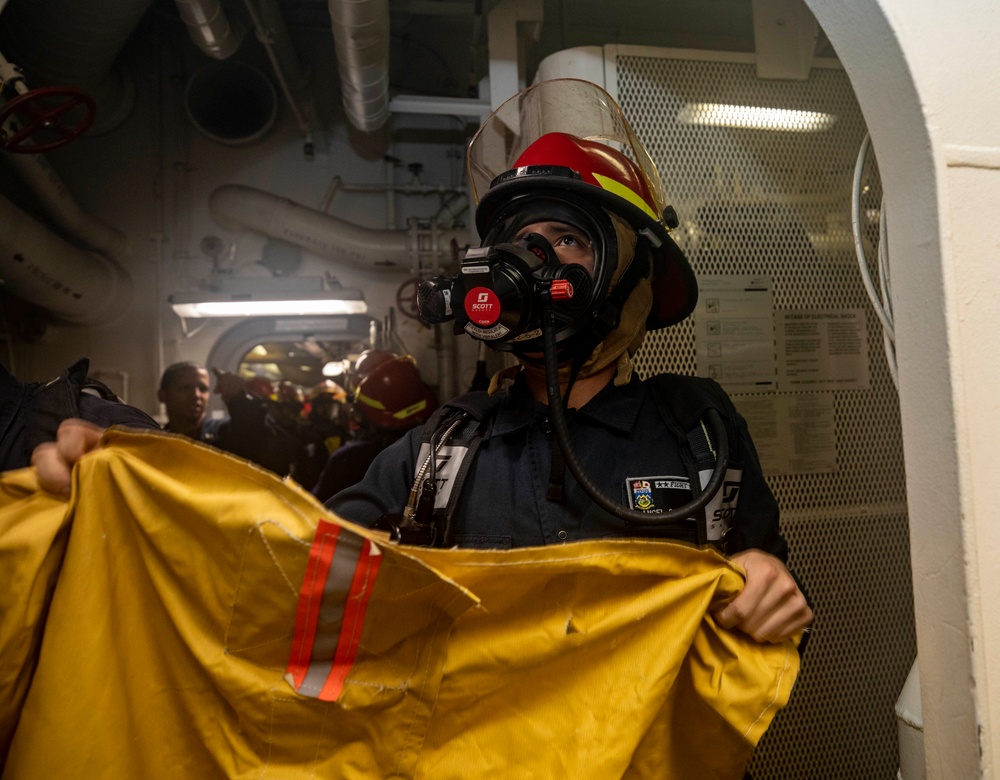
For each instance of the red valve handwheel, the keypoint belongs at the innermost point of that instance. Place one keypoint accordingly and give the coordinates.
(406, 298)
(46, 111)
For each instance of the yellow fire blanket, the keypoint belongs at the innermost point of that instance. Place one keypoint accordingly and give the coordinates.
(186, 614)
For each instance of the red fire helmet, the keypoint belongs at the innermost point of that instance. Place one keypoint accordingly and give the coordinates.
(392, 394)
(569, 138)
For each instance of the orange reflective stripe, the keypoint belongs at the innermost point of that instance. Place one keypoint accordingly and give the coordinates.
(310, 599)
(354, 617)
(337, 585)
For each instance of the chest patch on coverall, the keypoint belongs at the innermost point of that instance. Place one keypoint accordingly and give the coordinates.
(657, 494)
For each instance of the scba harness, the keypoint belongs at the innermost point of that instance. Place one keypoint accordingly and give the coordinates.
(31, 412)
(453, 435)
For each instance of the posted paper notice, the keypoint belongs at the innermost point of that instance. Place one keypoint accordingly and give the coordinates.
(734, 332)
(823, 350)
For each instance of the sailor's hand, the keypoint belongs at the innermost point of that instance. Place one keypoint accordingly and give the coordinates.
(54, 460)
(771, 607)
(227, 384)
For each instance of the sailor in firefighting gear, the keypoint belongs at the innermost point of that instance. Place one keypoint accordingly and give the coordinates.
(390, 398)
(513, 491)
(564, 187)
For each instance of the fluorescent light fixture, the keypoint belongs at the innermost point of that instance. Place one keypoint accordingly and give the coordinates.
(755, 117)
(188, 305)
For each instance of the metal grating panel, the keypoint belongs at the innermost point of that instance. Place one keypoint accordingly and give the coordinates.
(777, 203)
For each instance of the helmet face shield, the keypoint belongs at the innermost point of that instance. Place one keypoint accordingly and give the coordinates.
(571, 106)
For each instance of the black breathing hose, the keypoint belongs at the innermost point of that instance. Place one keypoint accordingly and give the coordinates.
(558, 416)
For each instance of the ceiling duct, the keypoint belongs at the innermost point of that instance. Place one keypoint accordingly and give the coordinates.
(71, 283)
(236, 207)
(58, 42)
(209, 27)
(231, 102)
(361, 38)
(68, 42)
(62, 207)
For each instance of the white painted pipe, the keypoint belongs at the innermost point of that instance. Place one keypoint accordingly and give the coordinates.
(77, 43)
(60, 204)
(73, 284)
(235, 207)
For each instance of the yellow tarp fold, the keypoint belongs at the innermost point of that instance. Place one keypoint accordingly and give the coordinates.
(157, 612)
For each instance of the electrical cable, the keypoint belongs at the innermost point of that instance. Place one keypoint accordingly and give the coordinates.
(881, 302)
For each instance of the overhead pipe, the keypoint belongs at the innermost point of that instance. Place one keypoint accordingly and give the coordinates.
(59, 203)
(209, 27)
(236, 207)
(73, 284)
(361, 39)
(55, 43)
(72, 42)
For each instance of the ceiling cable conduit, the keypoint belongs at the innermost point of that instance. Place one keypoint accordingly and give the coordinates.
(209, 27)
(236, 207)
(294, 71)
(73, 284)
(337, 185)
(361, 39)
(273, 36)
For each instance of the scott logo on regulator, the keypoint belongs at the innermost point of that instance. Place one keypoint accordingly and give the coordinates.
(482, 306)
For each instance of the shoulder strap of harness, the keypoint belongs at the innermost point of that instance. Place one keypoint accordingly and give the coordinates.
(682, 402)
(59, 399)
(472, 416)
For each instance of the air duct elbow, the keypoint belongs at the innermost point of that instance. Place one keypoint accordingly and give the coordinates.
(73, 284)
(236, 207)
(87, 230)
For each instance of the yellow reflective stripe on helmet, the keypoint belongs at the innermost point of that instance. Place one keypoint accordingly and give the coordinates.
(619, 189)
(369, 401)
(402, 414)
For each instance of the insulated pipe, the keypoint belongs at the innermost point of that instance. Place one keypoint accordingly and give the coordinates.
(71, 283)
(209, 27)
(235, 207)
(77, 43)
(46, 185)
(361, 38)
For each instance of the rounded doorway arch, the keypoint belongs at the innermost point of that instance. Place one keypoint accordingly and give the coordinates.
(311, 342)
(892, 67)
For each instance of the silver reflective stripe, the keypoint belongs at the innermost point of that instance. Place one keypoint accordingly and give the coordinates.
(720, 510)
(447, 462)
(331, 612)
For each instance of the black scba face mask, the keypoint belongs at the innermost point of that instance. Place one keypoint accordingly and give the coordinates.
(498, 292)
